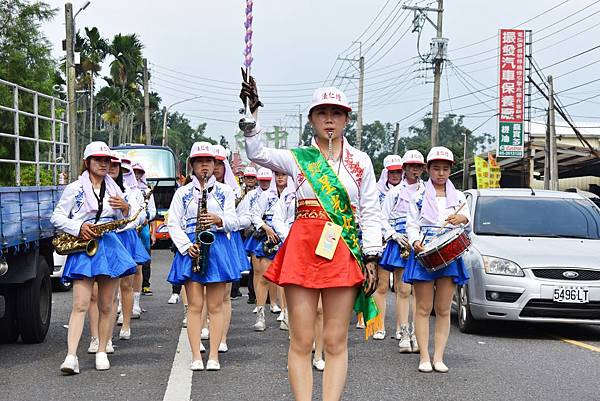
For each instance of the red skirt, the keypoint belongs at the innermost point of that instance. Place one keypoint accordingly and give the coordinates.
(297, 264)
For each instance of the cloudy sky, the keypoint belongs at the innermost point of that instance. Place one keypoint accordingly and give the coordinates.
(195, 49)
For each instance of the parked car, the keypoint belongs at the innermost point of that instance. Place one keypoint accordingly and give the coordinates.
(534, 257)
(57, 272)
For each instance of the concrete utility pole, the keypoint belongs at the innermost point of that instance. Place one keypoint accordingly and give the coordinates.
(396, 138)
(359, 116)
(547, 154)
(465, 177)
(147, 105)
(552, 127)
(165, 138)
(300, 128)
(74, 154)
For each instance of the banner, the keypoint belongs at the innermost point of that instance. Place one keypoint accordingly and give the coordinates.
(511, 87)
(494, 171)
(482, 173)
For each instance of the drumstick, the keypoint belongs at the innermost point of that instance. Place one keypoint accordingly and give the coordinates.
(446, 223)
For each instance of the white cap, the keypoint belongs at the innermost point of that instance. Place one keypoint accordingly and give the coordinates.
(200, 149)
(413, 157)
(329, 96)
(250, 172)
(264, 174)
(115, 158)
(392, 162)
(126, 163)
(440, 153)
(138, 166)
(97, 148)
(220, 152)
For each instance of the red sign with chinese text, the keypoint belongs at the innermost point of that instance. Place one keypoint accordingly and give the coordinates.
(512, 74)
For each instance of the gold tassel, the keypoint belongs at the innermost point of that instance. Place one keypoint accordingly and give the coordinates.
(372, 326)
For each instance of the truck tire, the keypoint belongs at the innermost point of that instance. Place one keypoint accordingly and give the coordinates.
(34, 305)
(9, 331)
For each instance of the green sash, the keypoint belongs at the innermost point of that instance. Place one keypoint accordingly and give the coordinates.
(334, 199)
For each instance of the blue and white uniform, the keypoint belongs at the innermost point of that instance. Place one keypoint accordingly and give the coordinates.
(261, 214)
(128, 234)
(111, 259)
(284, 213)
(182, 225)
(244, 212)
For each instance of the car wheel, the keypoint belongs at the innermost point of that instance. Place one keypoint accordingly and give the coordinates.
(59, 286)
(34, 305)
(466, 321)
(9, 331)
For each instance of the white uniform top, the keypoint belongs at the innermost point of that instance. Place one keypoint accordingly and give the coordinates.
(416, 224)
(184, 210)
(135, 198)
(394, 207)
(263, 208)
(244, 208)
(284, 214)
(69, 214)
(151, 208)
(355, 172)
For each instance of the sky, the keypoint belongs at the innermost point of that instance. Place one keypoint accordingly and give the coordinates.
(195, 49)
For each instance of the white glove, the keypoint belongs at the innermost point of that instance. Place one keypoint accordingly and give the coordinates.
(401, 239)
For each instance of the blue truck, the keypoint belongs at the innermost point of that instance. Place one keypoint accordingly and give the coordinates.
(33, 170)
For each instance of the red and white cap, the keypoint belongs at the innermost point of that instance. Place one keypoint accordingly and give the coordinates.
(98, 149)
(413, 157)
(264, 174)
(201, 149)
(440, 153)
(126, 163)
(250, 172)
(138, 166)
(330, 96)
(392, 162)
(220, 152)
(115, 158)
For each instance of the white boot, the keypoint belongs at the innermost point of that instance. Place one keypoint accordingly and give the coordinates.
(137, 310)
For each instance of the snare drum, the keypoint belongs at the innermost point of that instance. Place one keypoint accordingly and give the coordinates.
(444, 249)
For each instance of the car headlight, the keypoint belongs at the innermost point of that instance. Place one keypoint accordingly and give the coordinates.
(501, 267)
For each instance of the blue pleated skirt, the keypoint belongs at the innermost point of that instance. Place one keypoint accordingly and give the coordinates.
(145, 237)
(391, 259)
(414, 271)
(258, 251)
(133, 244)
(112, 259)
(250, 244)
(240, 255)
(222, 267)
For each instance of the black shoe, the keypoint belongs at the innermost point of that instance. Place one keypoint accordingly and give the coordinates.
(236, 295)
(147, 291)
(251, 301)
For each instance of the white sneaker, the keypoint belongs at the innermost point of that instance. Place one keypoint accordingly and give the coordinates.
(119, 306)
(275, 308)
(202, 349)
(196, 365)
(440, 367)
(174, 300)
(110, 349)
(184, 322)
(360, 325)
(102, 362)
(319, 365)
(281, 316)
(125, 334)
(404, 346)
(260, 324)
(212, 365)
(425, 367)
(379, 335)
(255, 310)
(136, 312)
(283, 325)
(120, 320)
(204, 334)
(70, 366)
(398, 334)
(414, 344)
(223, 348)
(94, 343)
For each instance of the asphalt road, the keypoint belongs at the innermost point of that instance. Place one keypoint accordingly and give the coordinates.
(507, 361)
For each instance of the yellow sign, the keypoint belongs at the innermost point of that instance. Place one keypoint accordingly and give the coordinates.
(494, 171)
(482, 173)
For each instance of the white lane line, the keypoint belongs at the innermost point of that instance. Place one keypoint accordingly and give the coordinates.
(179, 387)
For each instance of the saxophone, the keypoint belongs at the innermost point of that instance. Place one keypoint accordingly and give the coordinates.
(204, 238)
(66, 244)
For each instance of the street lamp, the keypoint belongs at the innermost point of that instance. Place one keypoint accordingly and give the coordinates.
(166, 112)
(83, 7)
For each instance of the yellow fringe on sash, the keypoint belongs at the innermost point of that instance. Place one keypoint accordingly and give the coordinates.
(372, 326)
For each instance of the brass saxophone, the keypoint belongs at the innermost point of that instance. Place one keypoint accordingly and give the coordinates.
(204, 238)
(66, 244)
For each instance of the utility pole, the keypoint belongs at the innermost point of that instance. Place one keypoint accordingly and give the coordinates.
(147, 105)
(165, 136)
(74, 154)
(439, 47)
(552, 127)
(465, 177)
(359, 117)
(396, 138)
(300, 128)
(547, 157)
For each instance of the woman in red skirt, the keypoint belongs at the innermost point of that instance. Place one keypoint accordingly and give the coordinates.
(322, 255)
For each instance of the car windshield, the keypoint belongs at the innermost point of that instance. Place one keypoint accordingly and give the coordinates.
(159, 163)
(537, 217)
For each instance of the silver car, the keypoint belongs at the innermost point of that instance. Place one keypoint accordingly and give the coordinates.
(535, 256)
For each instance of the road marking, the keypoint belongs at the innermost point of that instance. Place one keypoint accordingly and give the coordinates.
(579, 344)
(179, 386)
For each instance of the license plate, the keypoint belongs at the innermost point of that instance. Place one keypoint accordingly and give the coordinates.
(574, 295)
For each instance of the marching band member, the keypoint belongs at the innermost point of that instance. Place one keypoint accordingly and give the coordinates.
(224, 175)
(262, 216)
(217, 268)
(391, 175)
(322, 255)
(131, 242)
(394, 211)
(93, 199)
(145, 235)
(242, 209)
(437, 204)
